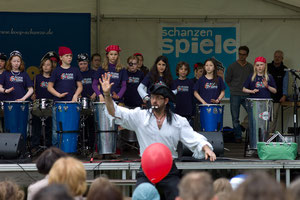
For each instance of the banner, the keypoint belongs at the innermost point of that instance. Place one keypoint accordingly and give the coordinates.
(195, 43)
(34, 34)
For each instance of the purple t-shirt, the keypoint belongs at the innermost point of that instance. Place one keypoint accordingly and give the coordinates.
(184, 96)
(20, 81)
(41, 84)
(131, 96)
(65, 80)
(87, 80)
(208, 89)
(116, 77)
(258, 84)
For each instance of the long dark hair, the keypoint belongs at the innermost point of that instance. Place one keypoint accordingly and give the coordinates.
(167, 77)
(215, 76)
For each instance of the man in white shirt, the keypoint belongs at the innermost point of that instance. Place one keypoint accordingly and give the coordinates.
(158, 124)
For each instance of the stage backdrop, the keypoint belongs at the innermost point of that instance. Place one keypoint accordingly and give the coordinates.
(194, 43)
(34, 34)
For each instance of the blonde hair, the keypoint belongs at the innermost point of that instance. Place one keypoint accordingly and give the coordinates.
(266, 76)
(118, 65)
(222, 185)
(8, 66)
(196, 185)
(10, 191)
(71, 172)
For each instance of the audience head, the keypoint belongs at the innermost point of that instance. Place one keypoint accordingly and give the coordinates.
(237, 180)
(53, 192)
(71, 172)
(258, 186)
(48, 158)
(196, 186)
(10, 191)
(145, 191)
(222, 185)
(293, 191)
(101, 188)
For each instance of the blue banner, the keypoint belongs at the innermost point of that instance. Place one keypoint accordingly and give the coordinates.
(34, 34)
(196, 43)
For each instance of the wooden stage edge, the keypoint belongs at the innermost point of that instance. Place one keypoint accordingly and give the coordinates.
(129, 169)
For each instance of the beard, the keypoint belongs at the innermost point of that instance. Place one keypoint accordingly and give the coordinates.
(157, 108)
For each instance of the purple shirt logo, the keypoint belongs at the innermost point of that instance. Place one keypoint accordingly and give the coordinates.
(67, 76)
(259, 84)
(44, 84)
(87, 81)
(210, 86)
(133, 79)
(183, 88)
(16, 79)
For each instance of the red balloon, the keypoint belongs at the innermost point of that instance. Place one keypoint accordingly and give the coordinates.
(156, 162)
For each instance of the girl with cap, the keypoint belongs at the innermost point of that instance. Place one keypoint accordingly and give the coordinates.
(118, 75)
(260, 84)
(41, 92)
(15, 82)
(198, 71)
(132, 98)
(210, 88)
(65, 81)
(87, 76)
(160, 72)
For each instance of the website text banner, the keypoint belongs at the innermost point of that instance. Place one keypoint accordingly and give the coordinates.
(195, 43)
(34, 34)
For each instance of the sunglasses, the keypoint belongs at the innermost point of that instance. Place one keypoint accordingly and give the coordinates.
(131, 64)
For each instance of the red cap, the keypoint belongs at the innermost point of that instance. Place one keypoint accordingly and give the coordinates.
(260, 59)
(64, 50)
(113, 48)
(138, 54)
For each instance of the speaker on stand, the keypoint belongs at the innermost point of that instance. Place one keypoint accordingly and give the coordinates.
(214, 138)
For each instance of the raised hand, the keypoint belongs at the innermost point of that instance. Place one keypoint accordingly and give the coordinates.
(105, 83)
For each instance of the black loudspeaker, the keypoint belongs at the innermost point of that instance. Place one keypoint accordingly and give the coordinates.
(214, 138)
(12, 145)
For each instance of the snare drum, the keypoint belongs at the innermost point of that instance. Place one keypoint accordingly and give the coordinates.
(16, 117)
(260, 112)
(42, 107)
(67, 121)
(107, 130)
(211, 117)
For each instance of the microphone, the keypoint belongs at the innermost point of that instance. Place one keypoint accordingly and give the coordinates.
(291, 70)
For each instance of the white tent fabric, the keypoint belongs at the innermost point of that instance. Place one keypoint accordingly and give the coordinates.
(265, 25)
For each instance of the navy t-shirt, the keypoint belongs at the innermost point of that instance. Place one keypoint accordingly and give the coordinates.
(131, 96)
(65, 80)
(208, 89)
(184, 96)
(20, 81)
(87, 80)
(41, 85)
(116, 77)
(258, 84)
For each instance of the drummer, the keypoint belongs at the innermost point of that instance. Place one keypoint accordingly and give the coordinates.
(15, 82)
(118, 74)
(64, 84)
(41, 92)
(260, 84)
(210, 88)
(87, 92)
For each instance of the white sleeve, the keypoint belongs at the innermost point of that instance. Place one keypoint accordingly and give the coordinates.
(127, 118)
(142, 90)
(193, 140)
